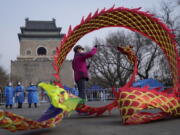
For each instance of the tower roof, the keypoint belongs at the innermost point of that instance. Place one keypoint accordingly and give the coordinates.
(33, 27)
(40, 25)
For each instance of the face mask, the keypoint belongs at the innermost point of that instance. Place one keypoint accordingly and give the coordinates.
(19, 83)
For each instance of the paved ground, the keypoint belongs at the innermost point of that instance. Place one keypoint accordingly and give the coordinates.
(104, 125)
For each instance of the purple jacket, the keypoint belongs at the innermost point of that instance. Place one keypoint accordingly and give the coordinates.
(79, 64)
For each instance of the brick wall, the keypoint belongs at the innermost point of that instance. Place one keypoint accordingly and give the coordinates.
(40, 70)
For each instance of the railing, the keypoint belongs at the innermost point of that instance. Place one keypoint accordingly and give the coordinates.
(97, 94)
(100, 95)
(2, 99)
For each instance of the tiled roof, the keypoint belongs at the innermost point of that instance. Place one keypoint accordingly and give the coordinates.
(40, 25)
(33, 26)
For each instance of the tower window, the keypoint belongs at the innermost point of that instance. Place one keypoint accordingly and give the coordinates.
(41, 51)
(28, 52)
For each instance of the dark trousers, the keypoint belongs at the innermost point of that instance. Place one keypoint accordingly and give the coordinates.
(81, 84)
(8, 105)
(19, 105)
(35, 105)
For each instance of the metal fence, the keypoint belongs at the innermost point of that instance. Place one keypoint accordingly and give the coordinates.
(2, 98)
(101, 95)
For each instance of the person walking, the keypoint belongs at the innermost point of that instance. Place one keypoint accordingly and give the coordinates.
(9, 95)
(19, 92)
(32, 95)
(80, 68)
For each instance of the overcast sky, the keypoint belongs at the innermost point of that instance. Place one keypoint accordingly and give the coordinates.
(66, 12)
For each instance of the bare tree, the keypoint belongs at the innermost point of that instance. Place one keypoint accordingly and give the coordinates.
(156, 63)
(146, 52)
(171, 17)
(111, 68)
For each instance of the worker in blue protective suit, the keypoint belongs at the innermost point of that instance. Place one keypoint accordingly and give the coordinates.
(9, 95)
(20, 94)
(32, 95)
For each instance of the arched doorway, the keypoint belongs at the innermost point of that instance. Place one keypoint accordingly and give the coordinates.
(41, 51)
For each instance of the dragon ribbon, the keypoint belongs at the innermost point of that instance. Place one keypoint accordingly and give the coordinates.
(131, 101)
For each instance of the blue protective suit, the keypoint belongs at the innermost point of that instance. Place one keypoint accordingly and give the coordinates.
(19, 92)
(32, 94)
(9, 94)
